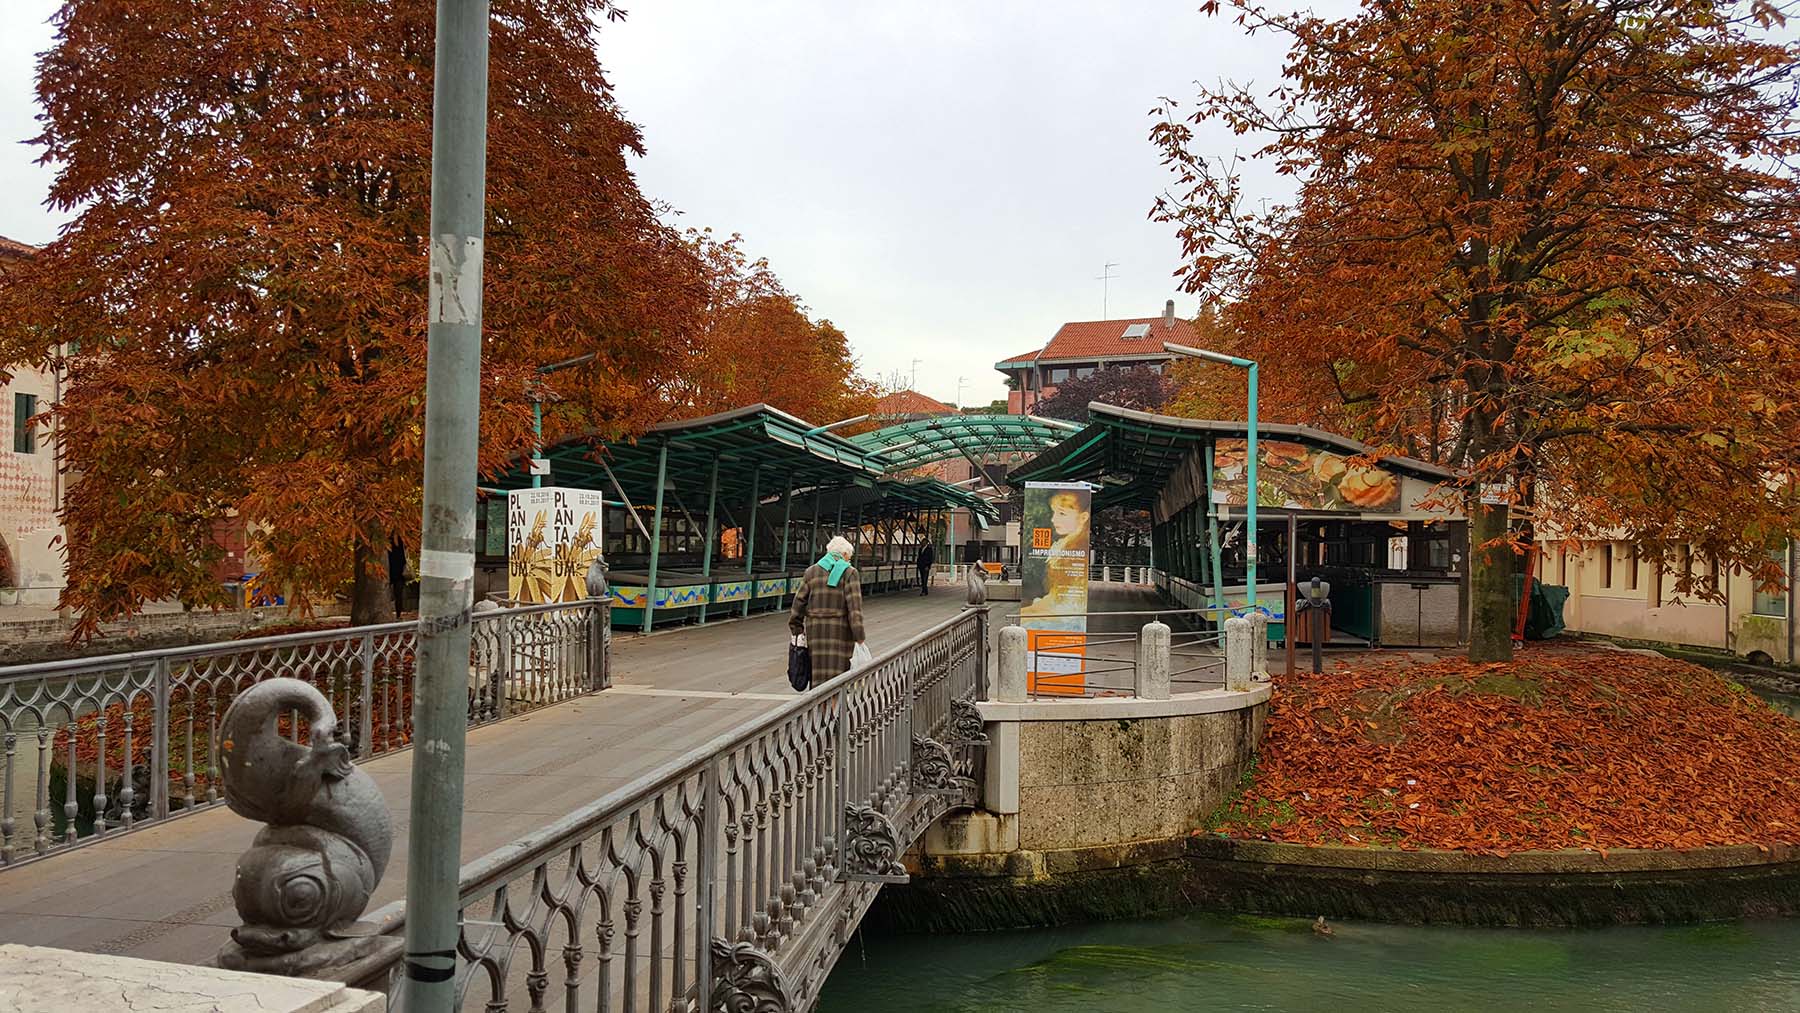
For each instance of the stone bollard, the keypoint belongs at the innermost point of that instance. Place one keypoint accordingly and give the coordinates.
(1237, 654)
(1259, 646)
(1153, 662)
(1009, 681)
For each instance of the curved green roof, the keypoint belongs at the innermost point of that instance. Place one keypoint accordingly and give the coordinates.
(946, 437)
(756, 448)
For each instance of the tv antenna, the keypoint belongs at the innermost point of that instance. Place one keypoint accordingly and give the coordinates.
(1105, 278)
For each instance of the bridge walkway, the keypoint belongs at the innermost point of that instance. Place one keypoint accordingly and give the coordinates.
(163, 892)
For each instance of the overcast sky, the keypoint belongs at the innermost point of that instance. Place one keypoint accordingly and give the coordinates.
(944, 180)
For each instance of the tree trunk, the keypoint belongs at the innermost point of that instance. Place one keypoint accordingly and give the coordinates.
(369, 601)
(1490, 584)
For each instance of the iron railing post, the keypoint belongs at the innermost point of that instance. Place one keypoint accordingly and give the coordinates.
(365, 721)
(159, 740)
(596, 664)
(501, 676)
(706, 859)
(981, 653)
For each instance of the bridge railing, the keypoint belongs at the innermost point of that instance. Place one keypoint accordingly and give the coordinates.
(95, 746)
(731, 877)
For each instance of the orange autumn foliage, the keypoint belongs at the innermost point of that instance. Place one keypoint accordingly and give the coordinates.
(239, 302)
(1550, 245)
(755, 342)
(1566, 747)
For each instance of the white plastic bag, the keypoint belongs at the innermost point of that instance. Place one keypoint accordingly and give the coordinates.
(860, 656)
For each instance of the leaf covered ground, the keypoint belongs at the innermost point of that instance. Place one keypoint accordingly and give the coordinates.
(1565, 747)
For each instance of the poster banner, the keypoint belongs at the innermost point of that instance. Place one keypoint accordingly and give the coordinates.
(1054, 584)
(1292, 476)
(552, 535)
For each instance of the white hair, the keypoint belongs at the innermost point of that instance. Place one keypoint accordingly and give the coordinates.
(840, 546)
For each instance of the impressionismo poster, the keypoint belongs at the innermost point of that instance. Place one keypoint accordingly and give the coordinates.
(552, 537)
(1054, 583)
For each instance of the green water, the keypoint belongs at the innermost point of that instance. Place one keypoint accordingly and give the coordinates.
(1216, 963)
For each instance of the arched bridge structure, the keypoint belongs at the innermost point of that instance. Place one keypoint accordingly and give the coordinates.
(733, 877)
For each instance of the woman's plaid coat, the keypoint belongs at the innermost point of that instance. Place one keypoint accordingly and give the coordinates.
(831, 618)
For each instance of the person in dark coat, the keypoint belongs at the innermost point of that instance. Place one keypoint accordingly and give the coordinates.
(828, 611)
(926, 558)
(397, 575)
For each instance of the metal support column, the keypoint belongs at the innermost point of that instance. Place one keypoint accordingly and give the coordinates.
(656, 519)
(712, 535)
(787, 514)
(812, 542)
(447, 546)
(1212, 540)
(750, 535)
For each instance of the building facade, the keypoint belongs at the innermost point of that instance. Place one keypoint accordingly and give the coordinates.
(31, 561)
(1081, 348)
(1614, 593)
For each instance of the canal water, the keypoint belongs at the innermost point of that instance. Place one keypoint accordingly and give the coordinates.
(1223, 963)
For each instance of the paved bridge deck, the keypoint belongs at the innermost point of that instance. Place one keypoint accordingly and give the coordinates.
(163, 892)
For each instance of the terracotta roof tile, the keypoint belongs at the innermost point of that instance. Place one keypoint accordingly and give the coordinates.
(911, 402)
(1091, 339)
(14, 248)
(1023, 356)
(1086, 340)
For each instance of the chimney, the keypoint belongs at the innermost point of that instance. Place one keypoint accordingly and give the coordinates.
(1169, 315)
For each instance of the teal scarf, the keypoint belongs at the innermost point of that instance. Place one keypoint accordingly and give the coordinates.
(834, 567)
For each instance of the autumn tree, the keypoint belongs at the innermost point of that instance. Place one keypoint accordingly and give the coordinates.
(245, 276)
(1549, 244)
(1136, 387)
(753, 341)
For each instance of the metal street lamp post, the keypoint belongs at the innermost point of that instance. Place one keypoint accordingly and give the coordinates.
(447, 552)
(1250, 458)
(537, 415)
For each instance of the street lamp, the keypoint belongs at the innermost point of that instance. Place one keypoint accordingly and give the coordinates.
(1250, 455)
(537, 415)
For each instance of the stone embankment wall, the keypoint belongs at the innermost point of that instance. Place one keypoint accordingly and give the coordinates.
(1092, 807)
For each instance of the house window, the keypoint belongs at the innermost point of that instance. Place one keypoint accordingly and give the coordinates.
(1083, 372)
(1059, 374)
(1631, 568)
(1773, 602)
(1606, 565)
(24, 435)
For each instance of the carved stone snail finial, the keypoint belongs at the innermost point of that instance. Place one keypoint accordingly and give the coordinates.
(596, 577)
(977, 585)
(310, 873)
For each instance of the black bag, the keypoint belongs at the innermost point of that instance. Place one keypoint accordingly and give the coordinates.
(799, 667)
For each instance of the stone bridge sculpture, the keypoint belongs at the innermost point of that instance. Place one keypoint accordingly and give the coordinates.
(310, 873)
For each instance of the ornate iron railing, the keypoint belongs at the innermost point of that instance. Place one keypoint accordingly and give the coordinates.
(732, 877)
(95, 746)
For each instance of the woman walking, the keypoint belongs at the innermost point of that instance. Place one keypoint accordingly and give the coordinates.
(828, 611)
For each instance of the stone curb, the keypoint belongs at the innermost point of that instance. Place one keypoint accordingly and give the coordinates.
(1565, 862)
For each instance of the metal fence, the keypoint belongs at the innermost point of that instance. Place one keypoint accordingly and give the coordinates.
(733, 876)
(1102, 659)
(97, 746)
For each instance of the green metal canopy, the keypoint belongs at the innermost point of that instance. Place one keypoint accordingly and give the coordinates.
(758, 451)
(1130, 455)
(946, 437)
